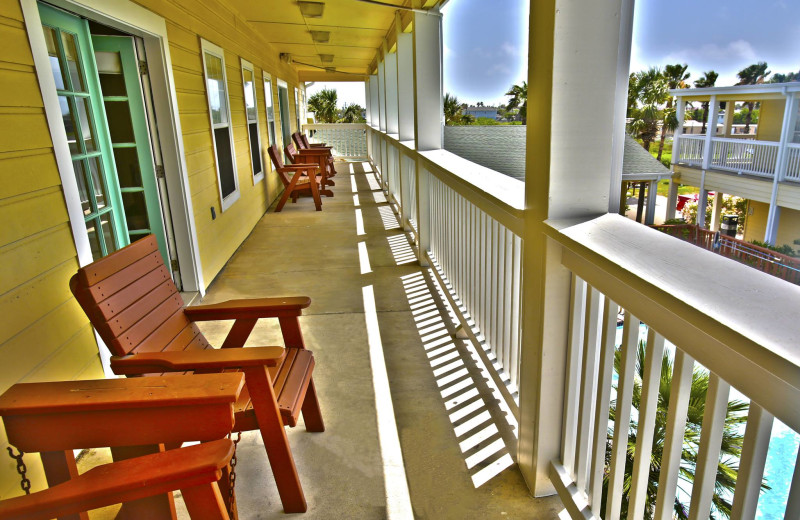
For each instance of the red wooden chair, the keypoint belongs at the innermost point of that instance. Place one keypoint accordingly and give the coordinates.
(312, 157)
(302, 182)
(302, 143)
(131, 300)
(195, 470)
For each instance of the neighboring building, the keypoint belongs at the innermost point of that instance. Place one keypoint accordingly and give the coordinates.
(490, 112)
(639, 167)
(763, 166)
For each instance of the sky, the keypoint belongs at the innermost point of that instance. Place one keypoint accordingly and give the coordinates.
(486, 41)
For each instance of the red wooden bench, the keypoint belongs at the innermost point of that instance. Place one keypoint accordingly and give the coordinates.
(302, 143)
(131, 300)
(56, 418)
(315, 156)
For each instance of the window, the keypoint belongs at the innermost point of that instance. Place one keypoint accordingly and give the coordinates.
(270, 108)
(220, 114)
(251, 114)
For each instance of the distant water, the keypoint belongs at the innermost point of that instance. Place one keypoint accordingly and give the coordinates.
(781, 457)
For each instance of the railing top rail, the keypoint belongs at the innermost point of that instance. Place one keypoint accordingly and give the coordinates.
(698, 137)
(740, 323)
(314, 126)
(793, 145)
(748, 142)
(501, 196)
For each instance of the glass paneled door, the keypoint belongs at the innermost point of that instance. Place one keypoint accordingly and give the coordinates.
(118, 71)
(104, 114)
(70, 49)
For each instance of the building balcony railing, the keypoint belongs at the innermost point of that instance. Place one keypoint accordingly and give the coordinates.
(741, 156)
(689, 308)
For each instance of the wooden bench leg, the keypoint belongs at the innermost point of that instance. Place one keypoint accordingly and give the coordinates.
(205, 502)
(59, 467)
(276, 443)
(312, 415)
(156, 507)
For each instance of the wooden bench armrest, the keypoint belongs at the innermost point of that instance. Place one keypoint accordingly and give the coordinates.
(298, 168)
(249, 309)
(202, 360)
(319, 145)
(124, 481)
(313, 151)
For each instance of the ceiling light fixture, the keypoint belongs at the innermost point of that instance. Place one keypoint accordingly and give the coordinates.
(326, 58)
(311, 9)
(320, 36)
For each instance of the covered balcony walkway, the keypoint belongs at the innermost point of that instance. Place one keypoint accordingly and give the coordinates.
(374, 315)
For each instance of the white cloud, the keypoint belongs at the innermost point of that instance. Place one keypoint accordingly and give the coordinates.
(510, 49)
(737, 51)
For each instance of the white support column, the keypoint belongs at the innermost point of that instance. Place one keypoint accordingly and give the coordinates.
(373, 92)
(702, 201)
(382, 95)
(727, 121)
(568, 42)
(652, 196)
(680, 113)
(368, 102)
(620, 107)
(428, 109)
(405, 82)
(716, 211)
(711, 130)
(787, 128)
(672, 198)
(391, 92)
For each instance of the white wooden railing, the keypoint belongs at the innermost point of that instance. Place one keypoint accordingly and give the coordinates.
(690, 150)
(744, 156)
(793, 162)
(678, 298)
(694, 319)
(347, 139)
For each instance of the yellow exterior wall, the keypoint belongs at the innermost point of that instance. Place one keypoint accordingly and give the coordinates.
(756, 224)
(770, 119)
(43, 333)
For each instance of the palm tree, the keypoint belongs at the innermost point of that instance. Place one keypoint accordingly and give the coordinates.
(452, 110)
(651, 89)
(467, 119)
(323, 104)
(752, 75)
(731, 449)
(708, 79)
(519, 99)
(675, 76)
(352, 114)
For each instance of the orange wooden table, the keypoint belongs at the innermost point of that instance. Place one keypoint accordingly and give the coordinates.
(133, 416)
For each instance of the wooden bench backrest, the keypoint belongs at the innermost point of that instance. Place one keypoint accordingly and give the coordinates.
(275, 155)
(131, 300)
(306, 143)
(297, 137)
(291, 151)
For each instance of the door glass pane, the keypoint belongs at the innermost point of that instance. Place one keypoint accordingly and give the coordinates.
(109, 68)
(100, 194)
(119, 122)
(268, 100)
(216, 89)
(86, 128)
(128, 171)
(108, 232)
(255, 152)
(135, 210)
(71, 51)
(249, 95)
(52, 51)
(94, 239)
(69, 124)
(83, 189)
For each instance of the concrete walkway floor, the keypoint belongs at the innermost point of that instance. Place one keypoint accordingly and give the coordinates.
(404, 406)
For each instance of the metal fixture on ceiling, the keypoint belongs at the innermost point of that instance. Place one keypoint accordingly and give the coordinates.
(320, 36)
(311, 9)
(326, 58)
(285, 57)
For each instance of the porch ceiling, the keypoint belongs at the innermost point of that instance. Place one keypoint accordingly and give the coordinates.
(357, 29)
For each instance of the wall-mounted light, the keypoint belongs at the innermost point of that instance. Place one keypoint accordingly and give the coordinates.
(311, 9)
(320, 36)
(326, 58)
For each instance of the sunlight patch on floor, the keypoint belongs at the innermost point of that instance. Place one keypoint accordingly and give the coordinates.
(388, 218)
(379, 197)
(359, 223)
(401, 249)
(373, 183)
(485, 452)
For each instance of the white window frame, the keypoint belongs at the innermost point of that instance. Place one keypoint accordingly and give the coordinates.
(297, 107)
(268, 98)
(246, 65)
(279, 118)
(217, 51)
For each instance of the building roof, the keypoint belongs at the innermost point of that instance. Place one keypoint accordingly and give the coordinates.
(738, 92)
(639, 165)
(480, 108)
